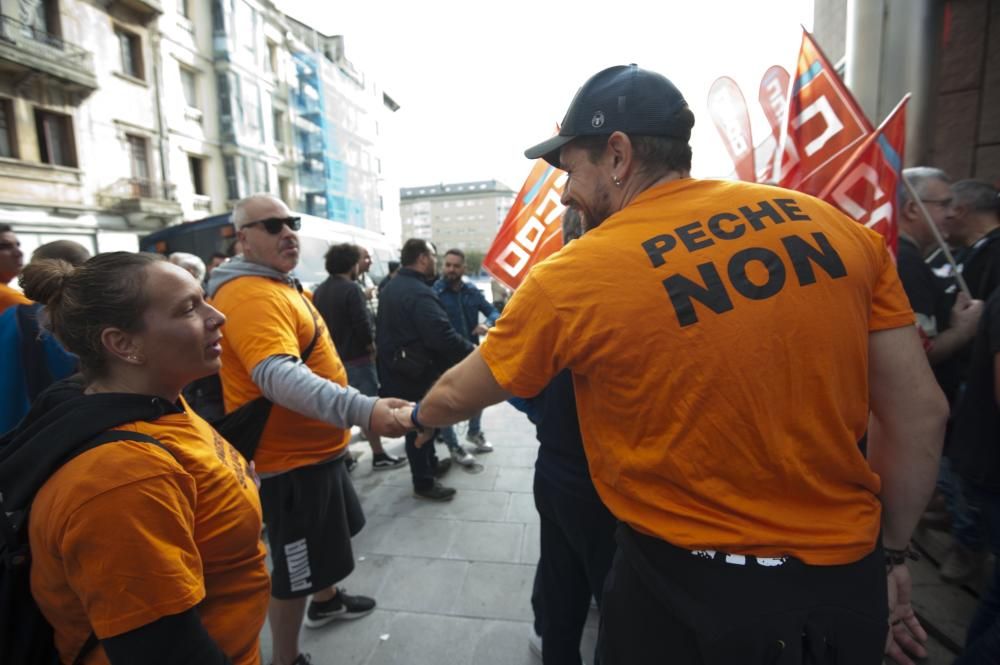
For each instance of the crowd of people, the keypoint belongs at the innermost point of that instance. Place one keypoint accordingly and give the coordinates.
(740, 398)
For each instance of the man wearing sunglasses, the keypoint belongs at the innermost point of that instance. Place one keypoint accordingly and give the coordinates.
(309, 503)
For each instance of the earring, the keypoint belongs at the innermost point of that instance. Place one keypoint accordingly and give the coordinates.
(618, 181)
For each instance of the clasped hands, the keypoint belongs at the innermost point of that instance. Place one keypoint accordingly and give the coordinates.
(394, 417)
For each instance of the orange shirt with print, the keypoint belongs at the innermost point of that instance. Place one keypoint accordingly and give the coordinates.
(718, 337)
(127, 533)
(264, 318)
(10, 297)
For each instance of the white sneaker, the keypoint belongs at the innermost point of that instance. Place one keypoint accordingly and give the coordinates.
(480, 442)
(462, 456)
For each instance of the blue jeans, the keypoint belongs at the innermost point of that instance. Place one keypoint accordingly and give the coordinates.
(451, 439)
(982, 642)
(966, 524)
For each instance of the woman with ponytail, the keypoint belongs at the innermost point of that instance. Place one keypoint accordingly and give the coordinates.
(145, 549)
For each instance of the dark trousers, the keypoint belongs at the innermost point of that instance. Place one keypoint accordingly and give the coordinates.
(577, 546)
(423, 462)
(982, 642)
(663, 604)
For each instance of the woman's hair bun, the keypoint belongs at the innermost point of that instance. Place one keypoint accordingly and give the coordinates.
(44, 280)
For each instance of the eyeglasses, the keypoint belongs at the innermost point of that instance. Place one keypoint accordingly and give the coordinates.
(273, 224)
(944, 203)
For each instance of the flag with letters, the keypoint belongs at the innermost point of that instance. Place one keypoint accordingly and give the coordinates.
(773, 97)
(867, 186)
(729, 112)
(532, 229)
(824, 125)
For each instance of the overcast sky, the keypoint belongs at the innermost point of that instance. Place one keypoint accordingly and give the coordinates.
(479, 82)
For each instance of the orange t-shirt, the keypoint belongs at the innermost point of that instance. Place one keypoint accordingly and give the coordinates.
(266, 318)
(10, 297)
(127, 533)
(718, 337)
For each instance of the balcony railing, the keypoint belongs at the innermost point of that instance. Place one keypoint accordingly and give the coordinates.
(140, 188)
(34, 49)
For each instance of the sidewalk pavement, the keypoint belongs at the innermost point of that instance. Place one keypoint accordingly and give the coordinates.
(453, 580)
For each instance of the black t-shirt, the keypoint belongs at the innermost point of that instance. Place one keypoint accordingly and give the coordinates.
(975, 439)
(932, 304)
(981, 265)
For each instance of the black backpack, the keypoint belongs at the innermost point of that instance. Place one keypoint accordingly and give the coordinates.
(29, 455)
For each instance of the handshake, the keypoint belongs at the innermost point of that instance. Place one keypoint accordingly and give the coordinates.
(394, 417)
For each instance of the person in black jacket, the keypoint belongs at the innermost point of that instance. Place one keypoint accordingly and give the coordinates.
(415, 344)
(341, 302)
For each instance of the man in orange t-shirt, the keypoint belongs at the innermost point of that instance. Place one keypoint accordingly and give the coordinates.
(727, 342)
(309, 503)
(11, 262)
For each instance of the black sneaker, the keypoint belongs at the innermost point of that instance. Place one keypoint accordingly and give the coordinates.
(436, 492)
(339, 608)
(385, 461)
(443, 466)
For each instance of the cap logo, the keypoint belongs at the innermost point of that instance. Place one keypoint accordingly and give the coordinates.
(598, 120)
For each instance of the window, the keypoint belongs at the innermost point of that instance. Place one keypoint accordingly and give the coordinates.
(55, 138)
(138, 156)
(185, 8)
(284, 193)
(189, 82)
(251, 107)
(232, 184)
(130, 46)
(271, 63)
(196, 166)
(278, 118)
(8, 139)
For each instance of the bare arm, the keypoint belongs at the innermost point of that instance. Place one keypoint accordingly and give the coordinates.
(964, 320)
(466, 388)
(906, 431)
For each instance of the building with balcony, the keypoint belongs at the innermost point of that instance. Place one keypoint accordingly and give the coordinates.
(464, 215)
(119, 117)
(81, 135)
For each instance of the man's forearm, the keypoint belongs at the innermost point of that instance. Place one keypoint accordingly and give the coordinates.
(287, 381)
(466, 388)
(947, 344)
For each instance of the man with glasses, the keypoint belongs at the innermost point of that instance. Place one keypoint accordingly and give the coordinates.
(309, 503)
(975, 225)
(948, 320)
(11, 262)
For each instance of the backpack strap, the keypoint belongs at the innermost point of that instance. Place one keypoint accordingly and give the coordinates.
(110, 436)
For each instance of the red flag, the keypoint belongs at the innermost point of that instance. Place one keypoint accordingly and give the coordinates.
(824, 126)
(532, 229)
(773, 98)
(729, 112)
(866, 187)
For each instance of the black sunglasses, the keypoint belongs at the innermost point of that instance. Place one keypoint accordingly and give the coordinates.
(273, 224)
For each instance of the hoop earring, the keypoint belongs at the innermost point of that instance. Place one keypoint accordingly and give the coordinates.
(616, 180)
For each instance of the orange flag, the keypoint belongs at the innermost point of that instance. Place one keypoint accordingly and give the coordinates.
(824, 124)
(532, 229)
(867, 186)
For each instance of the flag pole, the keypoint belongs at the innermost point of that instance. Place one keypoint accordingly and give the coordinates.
(937, 236)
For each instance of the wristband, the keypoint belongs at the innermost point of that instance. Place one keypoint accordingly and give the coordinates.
(895, 558)
(413, 417)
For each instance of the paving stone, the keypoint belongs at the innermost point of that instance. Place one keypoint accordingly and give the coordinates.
(532, 545)
(348, 642)
(522, 508)
(505, 643)
(497, 591)
(413, 536)
(517, 456)
(487, 541)
(515, 480)
(427, 639)
(422, 585)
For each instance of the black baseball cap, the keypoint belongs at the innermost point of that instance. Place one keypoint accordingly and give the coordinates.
(625, 98)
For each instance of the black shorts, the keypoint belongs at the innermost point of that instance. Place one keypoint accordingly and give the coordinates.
(311, 514)
(664, 604)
